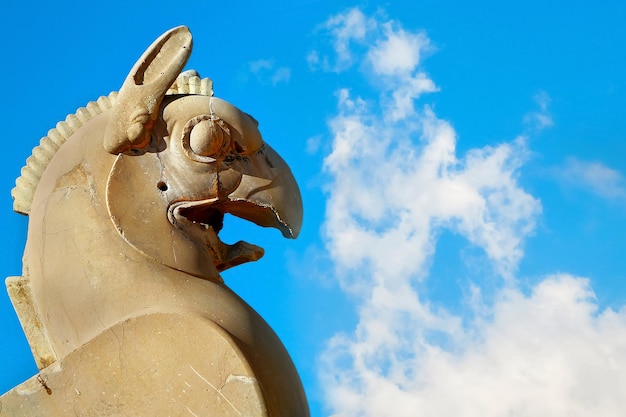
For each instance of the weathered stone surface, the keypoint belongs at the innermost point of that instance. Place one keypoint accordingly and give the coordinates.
(132, 370)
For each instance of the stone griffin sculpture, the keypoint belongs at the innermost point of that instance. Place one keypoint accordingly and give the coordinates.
(121, 297)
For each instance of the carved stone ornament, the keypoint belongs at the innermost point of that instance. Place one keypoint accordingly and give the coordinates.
(121, 297)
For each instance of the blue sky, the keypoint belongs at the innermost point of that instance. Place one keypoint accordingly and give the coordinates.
(462, 170)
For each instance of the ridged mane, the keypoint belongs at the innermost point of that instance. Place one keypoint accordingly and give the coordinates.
(187, 83)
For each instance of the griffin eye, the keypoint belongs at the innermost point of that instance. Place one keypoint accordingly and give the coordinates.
(205, 138)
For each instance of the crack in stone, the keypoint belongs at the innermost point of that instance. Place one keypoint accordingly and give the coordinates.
(216, 390)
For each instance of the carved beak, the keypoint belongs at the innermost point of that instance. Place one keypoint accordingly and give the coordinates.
(268, 194)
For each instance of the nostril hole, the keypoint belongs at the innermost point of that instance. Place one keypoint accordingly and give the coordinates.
(238, 147)
(162, 186)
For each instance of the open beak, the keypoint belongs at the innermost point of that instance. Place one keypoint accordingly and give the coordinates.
(267, 194)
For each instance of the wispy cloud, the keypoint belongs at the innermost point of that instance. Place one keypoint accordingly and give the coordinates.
(540, 118)
(268, 72)
(345, 30)
(593, 177)
(313, 144)
(395, 181)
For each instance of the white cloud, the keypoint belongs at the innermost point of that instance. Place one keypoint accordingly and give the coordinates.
(404, 95)
(594, 177)
(313, 144)
(346, 28)
(395, 182)
(398, 53)
(260, 65)
(313, 59)
(267, 72)
(282, 74)
(541, 118)
(548, 354)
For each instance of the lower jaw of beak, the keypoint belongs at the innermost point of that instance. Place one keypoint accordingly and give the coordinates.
(201, 222)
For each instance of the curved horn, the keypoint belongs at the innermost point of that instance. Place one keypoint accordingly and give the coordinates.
(143, 90)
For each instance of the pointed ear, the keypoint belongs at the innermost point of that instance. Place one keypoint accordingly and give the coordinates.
(138, 101)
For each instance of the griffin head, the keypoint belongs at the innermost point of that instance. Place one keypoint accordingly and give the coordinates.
(184, 161)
